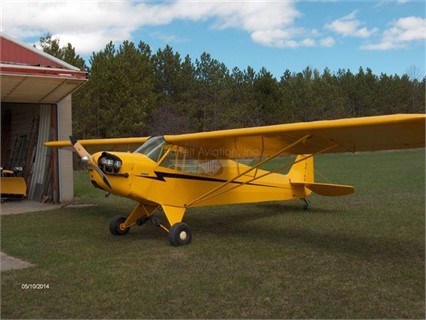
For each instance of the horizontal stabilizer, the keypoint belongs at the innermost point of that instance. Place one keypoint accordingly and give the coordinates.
(326, 189)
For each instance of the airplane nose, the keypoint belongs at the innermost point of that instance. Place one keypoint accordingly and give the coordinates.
(109, 163)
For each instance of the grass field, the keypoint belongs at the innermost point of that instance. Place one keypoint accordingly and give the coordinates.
(361, 256)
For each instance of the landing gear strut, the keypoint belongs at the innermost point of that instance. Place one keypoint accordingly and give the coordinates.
(179, 234)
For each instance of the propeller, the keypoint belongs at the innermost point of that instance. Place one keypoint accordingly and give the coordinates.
(87, 157)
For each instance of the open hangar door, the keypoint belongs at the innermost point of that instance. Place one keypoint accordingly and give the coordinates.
(24, 128)
(36, 107)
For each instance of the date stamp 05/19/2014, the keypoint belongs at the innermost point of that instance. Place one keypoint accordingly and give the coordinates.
(35, 286)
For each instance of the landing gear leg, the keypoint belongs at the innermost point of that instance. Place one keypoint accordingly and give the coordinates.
(180, 233)
(306, 202)
(120, 225)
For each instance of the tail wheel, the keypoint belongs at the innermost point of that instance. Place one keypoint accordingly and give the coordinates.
(306, 202)
(180, 234)
(114, 226)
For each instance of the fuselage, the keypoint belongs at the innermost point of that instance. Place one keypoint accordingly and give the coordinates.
(176, 181)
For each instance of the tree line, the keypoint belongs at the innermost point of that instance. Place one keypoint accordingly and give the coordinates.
(134, 92)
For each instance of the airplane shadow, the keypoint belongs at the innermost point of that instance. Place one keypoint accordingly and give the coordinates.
(236, 214)
(364, 246)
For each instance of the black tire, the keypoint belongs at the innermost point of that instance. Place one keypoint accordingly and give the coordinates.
(180, 234)
(155, 221)
(114, 226)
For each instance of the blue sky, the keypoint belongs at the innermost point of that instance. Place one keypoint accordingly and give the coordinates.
(387, 36)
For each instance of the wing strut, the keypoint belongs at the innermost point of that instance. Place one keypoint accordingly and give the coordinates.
(279, 168)
(279, 152)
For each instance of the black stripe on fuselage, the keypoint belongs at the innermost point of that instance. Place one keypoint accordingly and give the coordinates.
(160, 176)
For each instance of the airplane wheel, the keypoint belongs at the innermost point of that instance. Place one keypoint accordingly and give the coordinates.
(155, 221)
(114, 226)
(180, 234)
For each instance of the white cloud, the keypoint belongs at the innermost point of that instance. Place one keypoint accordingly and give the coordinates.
(89, 25)
(279, 38)
(168, 38)
(327, 42)
(349, 26)
(308, 42)
(403, 33)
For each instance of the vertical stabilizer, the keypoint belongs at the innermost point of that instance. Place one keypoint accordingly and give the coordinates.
(302, 170)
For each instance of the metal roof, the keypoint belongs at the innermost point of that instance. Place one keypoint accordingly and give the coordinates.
(45, 59)
(29, 75)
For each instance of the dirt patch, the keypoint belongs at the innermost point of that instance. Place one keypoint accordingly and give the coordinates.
(24, 206)
(79, 205)
(11, 263)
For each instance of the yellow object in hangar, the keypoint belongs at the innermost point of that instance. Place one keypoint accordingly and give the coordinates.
(12, 185)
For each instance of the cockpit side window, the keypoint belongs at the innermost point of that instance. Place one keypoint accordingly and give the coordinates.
(181, 159)
(169, 159)
(153, 148)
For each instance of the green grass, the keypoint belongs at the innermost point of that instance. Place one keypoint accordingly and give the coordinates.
(360, 256)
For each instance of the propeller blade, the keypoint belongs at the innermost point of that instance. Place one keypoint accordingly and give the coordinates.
(86, 155)
(100, 172)
(79, 148)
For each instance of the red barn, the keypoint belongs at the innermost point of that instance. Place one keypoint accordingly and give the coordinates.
(36, 107)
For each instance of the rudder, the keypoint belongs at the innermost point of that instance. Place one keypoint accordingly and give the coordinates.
(302, 169)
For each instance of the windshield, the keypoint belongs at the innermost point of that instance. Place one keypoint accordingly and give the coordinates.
(152, 148)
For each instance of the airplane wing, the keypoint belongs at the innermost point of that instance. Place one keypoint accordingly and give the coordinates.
(95, 145)
(403, 131)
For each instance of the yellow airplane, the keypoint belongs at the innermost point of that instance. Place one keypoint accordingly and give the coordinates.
(176, 172)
